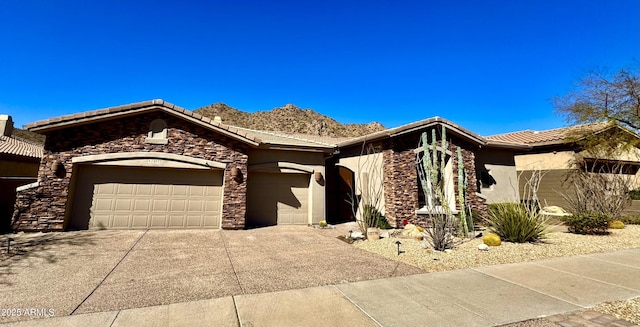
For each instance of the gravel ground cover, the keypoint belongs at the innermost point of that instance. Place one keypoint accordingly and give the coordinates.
(557, 244)
(628, 310)
(467, 255)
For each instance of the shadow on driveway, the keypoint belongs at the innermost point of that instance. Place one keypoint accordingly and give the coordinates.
(18, 251)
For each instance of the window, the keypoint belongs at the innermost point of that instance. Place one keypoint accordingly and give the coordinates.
(610, 167)
(429, 195)
(157, 132)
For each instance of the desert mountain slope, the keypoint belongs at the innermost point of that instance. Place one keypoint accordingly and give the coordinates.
(289, 119)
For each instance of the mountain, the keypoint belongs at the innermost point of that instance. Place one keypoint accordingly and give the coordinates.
(28, 136)
(289, 119)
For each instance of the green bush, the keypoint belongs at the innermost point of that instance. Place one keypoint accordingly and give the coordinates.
(634, 194)
(379, 220)
(478, 218)
(631, 220)
(516, 222)
(588, 223)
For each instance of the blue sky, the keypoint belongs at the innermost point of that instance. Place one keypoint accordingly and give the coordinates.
(490, 66)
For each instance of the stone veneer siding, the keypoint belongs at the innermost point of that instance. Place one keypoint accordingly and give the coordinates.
(401, 178)
(43, 208)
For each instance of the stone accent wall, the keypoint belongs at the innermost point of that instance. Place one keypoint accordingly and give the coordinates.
(468, 157)
(401, 180)
(42, 208)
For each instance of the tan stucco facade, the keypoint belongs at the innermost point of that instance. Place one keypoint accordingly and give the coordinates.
(369, 167)
(285, 162)
(499, 164)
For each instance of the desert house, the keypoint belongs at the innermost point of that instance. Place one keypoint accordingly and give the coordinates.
(556, 153)
(155, 165)
(19, 161)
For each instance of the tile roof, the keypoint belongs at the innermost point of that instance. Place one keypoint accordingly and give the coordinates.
(158, 104)
(282, 138)
(551, 136)
(253, 137)
(451, 127)
(18, 147)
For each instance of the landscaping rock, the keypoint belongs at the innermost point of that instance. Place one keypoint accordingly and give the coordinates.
(357, 235)
(483, 247)
(491, 240)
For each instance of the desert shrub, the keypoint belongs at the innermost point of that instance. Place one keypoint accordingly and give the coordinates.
(491, 240)
(598, 190)
(478, 218)
(631, 219)
(440, 234)
(378, 219)
(587, 223)
(616, 224)
(634, 194)
(516, 222)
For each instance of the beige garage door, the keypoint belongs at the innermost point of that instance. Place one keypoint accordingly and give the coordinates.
(277, 198)
(140, 198)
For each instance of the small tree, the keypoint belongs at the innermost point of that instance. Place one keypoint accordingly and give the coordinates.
(604, 97)
(367, 194)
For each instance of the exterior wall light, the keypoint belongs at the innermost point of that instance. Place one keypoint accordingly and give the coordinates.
(236, 174)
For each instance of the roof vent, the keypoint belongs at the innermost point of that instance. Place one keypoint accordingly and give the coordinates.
(217, 119)
(6, 125)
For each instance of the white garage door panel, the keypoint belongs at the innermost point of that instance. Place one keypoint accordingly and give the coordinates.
(130, 198)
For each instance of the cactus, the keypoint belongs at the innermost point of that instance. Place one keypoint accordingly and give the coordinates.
(462, 186)
(492, 240)
(431, 173)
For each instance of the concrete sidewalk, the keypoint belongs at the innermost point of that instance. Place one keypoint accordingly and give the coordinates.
(487, 296)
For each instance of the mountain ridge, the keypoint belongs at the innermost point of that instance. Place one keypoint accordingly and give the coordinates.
(289, 119)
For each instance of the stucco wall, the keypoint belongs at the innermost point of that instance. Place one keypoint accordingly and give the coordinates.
(502, 167)
(44, 207)
(556, 160)
(369, 165)
(311, 160)
(19, 167)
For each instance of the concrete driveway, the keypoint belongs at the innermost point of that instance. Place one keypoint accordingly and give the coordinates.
(90, 271)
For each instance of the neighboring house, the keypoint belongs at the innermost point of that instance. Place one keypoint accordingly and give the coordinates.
(155, 165)
(19, 161)
(554, 153)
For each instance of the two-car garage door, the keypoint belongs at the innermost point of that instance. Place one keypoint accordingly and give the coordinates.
(142, 197)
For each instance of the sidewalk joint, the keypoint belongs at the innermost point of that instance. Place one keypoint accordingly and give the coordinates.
(114, 318)
(357, 306)
(235, 307)
(529, 288)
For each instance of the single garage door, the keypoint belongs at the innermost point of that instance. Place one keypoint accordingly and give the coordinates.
(277, 198)
(141, 198)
